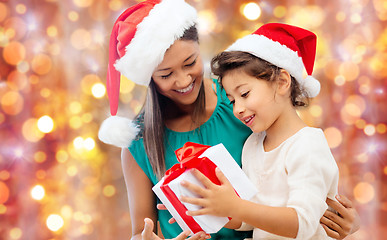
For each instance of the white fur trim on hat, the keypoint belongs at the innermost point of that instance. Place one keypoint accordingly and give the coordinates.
(118, 131)
(279, 55)
(165, 23)
(312, 85)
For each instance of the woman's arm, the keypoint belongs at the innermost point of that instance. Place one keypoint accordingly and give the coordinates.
(342, 224)
(222, 201)
(142, 202)
(233, 224)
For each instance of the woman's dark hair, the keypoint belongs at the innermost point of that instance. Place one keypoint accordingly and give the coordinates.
(153, 117)
(255, 67)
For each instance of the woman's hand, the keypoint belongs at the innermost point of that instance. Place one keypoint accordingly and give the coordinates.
(148, 234)
(342, 224)
(162, 207)
(214, 199)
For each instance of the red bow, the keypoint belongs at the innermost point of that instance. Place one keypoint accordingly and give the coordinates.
(188, 157)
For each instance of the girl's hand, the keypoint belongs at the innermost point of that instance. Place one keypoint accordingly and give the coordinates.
(148, 234)
(215, 200)
(340, 225)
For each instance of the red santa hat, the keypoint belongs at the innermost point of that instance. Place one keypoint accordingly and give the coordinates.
(288, 47)
(139, 39)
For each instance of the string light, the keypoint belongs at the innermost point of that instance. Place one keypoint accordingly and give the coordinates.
(251, 11)
(37, 192)
(45, 124)
(98, 90)
(54, 222)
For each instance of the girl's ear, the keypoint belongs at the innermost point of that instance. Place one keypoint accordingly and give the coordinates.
(284, 82)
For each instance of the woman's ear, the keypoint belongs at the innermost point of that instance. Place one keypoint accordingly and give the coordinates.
(284, 82)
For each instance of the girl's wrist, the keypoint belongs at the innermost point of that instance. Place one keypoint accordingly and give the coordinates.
(235, 207)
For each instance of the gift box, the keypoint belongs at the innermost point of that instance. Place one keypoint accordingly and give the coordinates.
(205, 159)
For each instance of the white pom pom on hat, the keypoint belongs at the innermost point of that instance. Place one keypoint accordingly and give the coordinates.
(140, 37)
(312, 85)
(120, 135)
(289, 47)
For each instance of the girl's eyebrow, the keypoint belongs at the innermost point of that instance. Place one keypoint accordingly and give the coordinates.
(183, 61)
(236, 88)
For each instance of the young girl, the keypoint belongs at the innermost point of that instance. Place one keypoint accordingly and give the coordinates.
(290, 163)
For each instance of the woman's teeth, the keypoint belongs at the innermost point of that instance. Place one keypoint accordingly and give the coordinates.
(187, 89)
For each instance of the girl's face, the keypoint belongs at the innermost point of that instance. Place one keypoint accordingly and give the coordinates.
(180, 74)
(254, 101)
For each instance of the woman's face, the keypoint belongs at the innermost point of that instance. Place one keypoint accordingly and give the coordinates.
(180, 74)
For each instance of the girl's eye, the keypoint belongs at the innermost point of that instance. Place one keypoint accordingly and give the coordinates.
(191, 64)
(166, 76)
(245, 94)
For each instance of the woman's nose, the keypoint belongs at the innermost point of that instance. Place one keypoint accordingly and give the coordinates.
(183, 79)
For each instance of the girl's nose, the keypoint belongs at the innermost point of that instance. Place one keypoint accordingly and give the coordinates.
(238, 109)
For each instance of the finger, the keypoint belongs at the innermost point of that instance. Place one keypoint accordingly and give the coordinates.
(194, 188)
(161, 206)
(171, 220)
(202, 211)
(330, 232)
(330, 223)
(344, 201)
(200, 236)
(332, 217)
(203, 178)
(338, 207)
(191, 200)
(183, 235)
(147, 233)
(222, 178)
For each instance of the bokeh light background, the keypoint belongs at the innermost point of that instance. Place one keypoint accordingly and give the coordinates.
(58, 181)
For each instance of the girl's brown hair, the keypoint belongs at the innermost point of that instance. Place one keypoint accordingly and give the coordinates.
(151, 118)
(255, 67)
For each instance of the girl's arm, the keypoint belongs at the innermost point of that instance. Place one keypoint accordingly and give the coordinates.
(223, 201)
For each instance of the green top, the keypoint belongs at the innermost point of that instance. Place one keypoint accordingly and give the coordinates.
(222, 127)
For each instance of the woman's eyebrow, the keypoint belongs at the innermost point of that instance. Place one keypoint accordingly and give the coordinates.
(163, 69)
(189, 57)
(183, 61)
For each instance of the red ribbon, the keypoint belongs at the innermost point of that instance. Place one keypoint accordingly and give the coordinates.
(188, 157)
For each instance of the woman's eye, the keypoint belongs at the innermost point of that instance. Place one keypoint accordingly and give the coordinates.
(191, 64)
(232, 102)
(166, 76)
(245, 94)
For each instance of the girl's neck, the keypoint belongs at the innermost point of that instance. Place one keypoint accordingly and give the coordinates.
(285, 126)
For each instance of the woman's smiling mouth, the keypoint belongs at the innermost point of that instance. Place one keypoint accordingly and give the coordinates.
(187, 89)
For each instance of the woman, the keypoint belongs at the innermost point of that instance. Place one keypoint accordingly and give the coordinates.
(155, 44)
